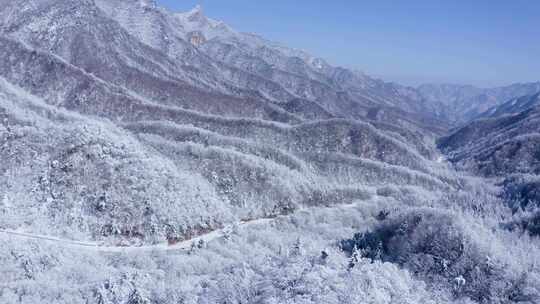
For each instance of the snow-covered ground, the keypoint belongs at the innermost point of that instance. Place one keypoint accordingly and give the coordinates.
(117, 133)
(164, 246)
(183, 245)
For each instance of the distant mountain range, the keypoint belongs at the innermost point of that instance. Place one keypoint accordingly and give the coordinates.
(503, 143)
(500, 144)
(462, 103)
(127, 129)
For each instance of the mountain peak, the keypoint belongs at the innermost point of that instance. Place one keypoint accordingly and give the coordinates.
(196, 14)
(148, 3)
(198, 25)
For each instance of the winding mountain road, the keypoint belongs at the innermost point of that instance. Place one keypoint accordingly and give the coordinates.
(180, 246)
(184, 245)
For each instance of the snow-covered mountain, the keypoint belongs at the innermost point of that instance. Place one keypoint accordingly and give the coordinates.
(514, 106)
(462, 103)
(173, 116)
(293, 79)
(498, 145)
(150, 156)
(505, 145)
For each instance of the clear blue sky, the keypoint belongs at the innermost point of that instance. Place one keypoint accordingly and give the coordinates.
(480, 42)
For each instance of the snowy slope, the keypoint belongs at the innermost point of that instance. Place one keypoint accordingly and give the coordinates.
(276, 72)
(463, 103)
(514, 106)
(159, 157)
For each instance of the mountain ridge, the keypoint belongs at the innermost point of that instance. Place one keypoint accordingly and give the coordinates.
(202, 167)
(463, 103)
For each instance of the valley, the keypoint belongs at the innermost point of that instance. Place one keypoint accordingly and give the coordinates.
(149, 156)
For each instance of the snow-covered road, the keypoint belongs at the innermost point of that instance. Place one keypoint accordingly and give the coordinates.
(180, 246)
(184, 245)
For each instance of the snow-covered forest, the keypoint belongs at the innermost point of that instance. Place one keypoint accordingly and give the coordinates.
(153, 157)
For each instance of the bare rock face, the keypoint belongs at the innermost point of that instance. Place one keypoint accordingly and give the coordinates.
(196, 38)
